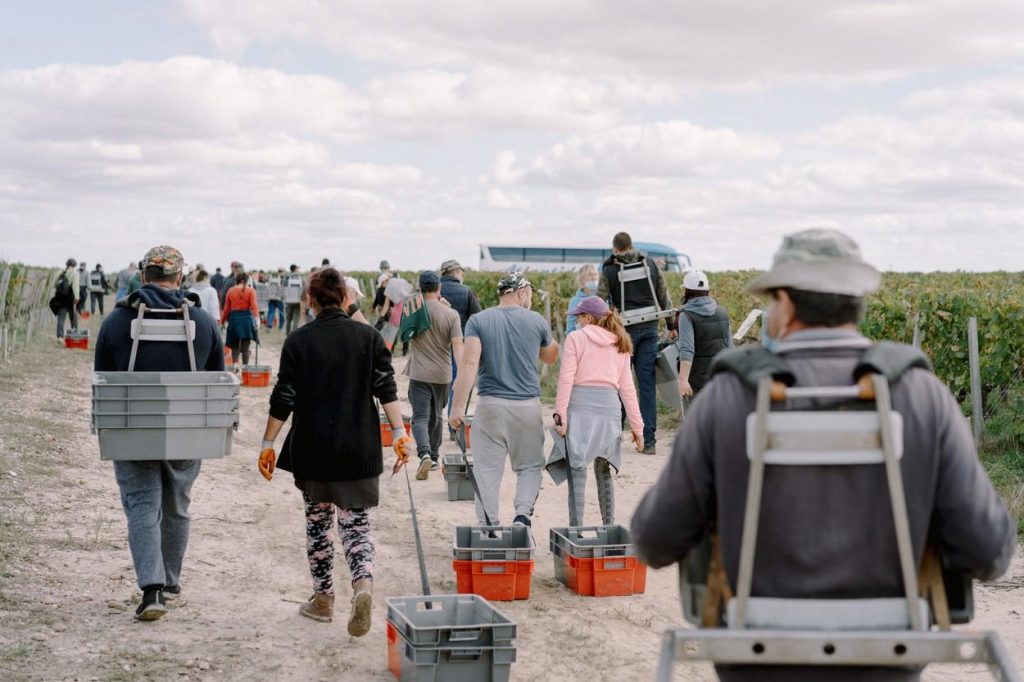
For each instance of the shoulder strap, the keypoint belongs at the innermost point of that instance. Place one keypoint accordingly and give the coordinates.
(891, 360)
(751, 364)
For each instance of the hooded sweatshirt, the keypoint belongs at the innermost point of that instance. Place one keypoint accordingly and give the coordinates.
(705, 306)
(591, 358)
(114, 342)
(208, 298)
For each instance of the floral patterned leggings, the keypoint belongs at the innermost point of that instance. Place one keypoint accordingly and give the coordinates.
(354, 529)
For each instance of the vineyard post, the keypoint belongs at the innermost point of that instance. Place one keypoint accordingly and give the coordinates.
(3, 290)
(917, 330)
(976, 402)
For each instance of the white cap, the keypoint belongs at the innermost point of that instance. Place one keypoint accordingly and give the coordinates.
(696, 280)
(351, 283)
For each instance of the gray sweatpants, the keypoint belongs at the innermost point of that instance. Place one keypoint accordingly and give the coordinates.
(507, 427)
(155, 497)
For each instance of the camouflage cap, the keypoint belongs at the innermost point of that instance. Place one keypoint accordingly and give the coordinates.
(512, 281)
(822, 260)
(166, 257)
(450, 266)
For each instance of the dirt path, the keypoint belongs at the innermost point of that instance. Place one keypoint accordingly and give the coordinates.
(67, 587)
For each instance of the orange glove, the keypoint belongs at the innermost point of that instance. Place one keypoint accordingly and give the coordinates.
(403, 449)
(267, 460)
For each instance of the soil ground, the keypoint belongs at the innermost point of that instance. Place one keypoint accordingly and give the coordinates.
(67, 588)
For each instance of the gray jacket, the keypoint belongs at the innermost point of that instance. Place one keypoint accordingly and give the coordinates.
(826, 532)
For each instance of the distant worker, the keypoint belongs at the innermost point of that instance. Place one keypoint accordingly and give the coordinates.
(384, 275)
(135, 283)
(430, 373)
(353, 297)
(825, 532)
(275, 299)
(230, 281)
(332, 372)
(587, 279)
(65, 299)
(217, 281)
(463, 300)
(155, 495)
(595, 376)
(504, 343)
(293, 289)
(124, 278)
(98, 288)
(644, 334)
(242, 318)
(83, 288)
(209, 300)
(704, 331)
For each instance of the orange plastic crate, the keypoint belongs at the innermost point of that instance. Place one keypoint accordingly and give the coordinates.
(494, 580)
(607, 577)
(385, 432)
(394, 655)
(228, 360)
(256, 378)
(85, 314)
(82, 343)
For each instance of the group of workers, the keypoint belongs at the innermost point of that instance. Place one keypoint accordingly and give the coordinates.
(336, 370)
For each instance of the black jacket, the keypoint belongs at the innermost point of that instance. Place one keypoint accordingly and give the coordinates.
(331, 370)
(114, 343)
(638, 294)
(461, 298)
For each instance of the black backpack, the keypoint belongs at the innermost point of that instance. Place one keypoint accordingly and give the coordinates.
(64, 286)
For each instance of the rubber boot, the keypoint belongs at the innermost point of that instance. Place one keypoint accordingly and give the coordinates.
(579, 482)
(605, 490)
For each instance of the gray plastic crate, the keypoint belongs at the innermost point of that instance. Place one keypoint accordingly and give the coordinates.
(592, 542)
(164, 415)
(453, 621)
(456, 475)
(430, 664)
(77, 333)
(511, 543)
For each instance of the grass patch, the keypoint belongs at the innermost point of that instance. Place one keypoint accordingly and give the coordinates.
(1002, 451)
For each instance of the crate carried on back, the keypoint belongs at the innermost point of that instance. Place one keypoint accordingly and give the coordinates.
(164, 415)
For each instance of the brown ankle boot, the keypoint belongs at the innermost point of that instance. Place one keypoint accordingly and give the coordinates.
(320, 607)
(362, 608)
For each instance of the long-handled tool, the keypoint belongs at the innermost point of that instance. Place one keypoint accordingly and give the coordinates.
(460, 440)
(568, 477)
(424, 583)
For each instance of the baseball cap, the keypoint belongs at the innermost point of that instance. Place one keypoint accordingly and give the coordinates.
(449, 266)
(826, 261)
(168, 258)
(429, 281)
(351, 283)
(590, 305)
(512, 281)
(696, 280)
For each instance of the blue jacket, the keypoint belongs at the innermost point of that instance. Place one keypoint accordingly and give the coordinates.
(461, 298)
(114, 342)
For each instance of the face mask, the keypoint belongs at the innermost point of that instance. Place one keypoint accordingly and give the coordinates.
(590, 287)
(767, 340)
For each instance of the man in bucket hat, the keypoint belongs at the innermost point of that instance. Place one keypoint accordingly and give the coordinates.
(504, 343)
(155, 494)
(825, 532)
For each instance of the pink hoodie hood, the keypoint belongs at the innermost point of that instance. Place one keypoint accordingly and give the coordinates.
(598, 335)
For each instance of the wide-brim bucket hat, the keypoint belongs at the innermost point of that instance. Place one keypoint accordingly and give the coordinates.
(823, 260)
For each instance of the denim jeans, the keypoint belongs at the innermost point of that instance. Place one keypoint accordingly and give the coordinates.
(155, 497)
(273, 306)
(63, 314)
(645, 357)
(451, 386)
(428, 402)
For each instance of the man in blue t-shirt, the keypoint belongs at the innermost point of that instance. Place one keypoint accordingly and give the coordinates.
(503, 344)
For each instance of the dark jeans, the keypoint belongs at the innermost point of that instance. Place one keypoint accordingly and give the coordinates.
(645, 356)
(64, 313)
(293, 321)
(155, 497)
(428, 402)
(272, 307)
(83, 296)
(96, 298)
(451, 386)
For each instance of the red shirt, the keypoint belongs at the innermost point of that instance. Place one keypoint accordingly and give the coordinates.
(239, 297)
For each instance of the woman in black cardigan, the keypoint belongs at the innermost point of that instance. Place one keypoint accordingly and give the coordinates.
(331, 371)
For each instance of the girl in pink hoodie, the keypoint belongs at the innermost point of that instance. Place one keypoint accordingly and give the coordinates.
(594, 377)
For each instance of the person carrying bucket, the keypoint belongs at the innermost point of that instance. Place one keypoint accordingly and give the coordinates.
(505, 342)
(242, 318)
(331, 371)
(594, 377)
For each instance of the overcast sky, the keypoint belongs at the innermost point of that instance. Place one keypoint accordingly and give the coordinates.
(274, 131)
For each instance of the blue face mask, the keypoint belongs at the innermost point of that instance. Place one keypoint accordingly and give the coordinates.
(767, 340)
(590, 287)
